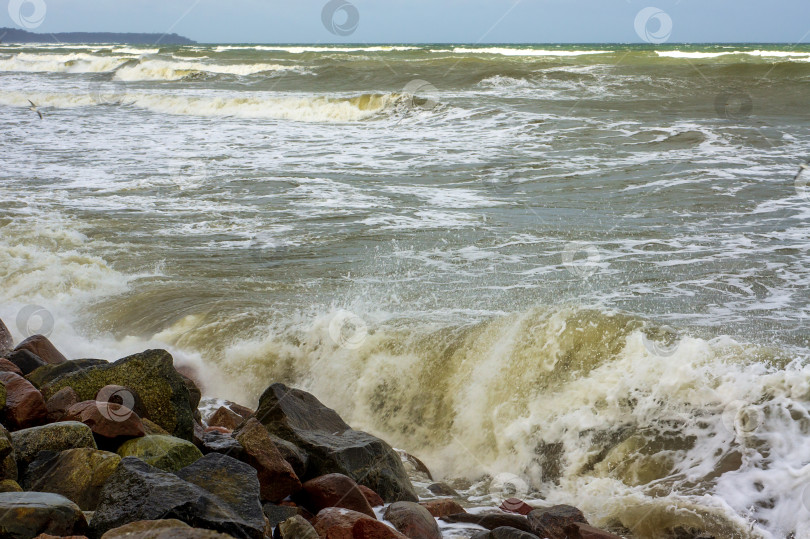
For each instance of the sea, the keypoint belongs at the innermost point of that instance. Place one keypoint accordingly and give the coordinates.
(566, 273)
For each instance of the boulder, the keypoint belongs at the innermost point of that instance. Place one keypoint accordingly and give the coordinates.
(59, 404)
(232, 481)
(144, 528)
(296, 527)
(112, 424)
(224, 417)
(161, 529)
(491, 521)
(333, 490)
(443, 507)
(25, 406)
(372, 497)
(412, 520)
(218, 430)
(151, 428)
(26, 515)
(194, 395)
(578, 530)
(276, 476)
(137, 491)
(292, 454)
(48, 373)
(8, 461)
(124, 396)
(55, 437)
(514, 505)
(10, 485)
(6, 341)
(25, 361)
(166, 453)
(505, 532)
(442, 489)
(8, 366)
(151, 376)
(331, 445)
(278, 513)
(338, 523)
(76, 474)
(552, 521)
(39, 345)
(215, 442)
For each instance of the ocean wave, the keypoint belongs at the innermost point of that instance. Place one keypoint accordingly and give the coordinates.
(521, 52)
(758, 53)
(154, 70)
(61, 63)
(325, 48)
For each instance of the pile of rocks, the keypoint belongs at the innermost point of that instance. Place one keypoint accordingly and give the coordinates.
(113, 450)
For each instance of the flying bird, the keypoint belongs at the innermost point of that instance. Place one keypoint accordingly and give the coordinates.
(34, 108)
(802, 168)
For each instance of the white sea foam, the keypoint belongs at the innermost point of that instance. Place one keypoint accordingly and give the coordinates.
(61, 63)
(325, 48)
(757, 53)
(522, 52)
(154, 69)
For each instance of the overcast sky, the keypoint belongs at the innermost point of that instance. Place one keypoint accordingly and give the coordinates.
(428, 21)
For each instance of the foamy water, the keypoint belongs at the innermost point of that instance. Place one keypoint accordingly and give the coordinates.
(580, 272)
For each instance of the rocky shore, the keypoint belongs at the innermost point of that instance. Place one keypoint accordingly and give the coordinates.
(115, 450)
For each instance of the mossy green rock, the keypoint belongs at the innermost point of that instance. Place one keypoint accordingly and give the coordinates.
(9, 485)
(8, 462)
(2, 396)
(47, 373)
(76, 474)
(151, 375)
(55, 437)
(167, 453)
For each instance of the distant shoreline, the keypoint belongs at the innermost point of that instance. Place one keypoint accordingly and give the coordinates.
(13, 35)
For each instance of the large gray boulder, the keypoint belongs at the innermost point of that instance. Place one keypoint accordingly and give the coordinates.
(331, 445)
(24, 515)
(137, 491)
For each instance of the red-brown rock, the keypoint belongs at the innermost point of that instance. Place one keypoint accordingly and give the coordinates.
(107, 420)
(412, 520)
(42, 347)
(374, 499)
(243, 411)
(220, 430)
(226, 418)
(333, 490)
(579, 530)
(338, 523)
(277, 479)
(552, 521)
(59, 404)
(6, 341)
(443, 507)
(46, 536)
(25, 406)
(514, 505)
(8, 366)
